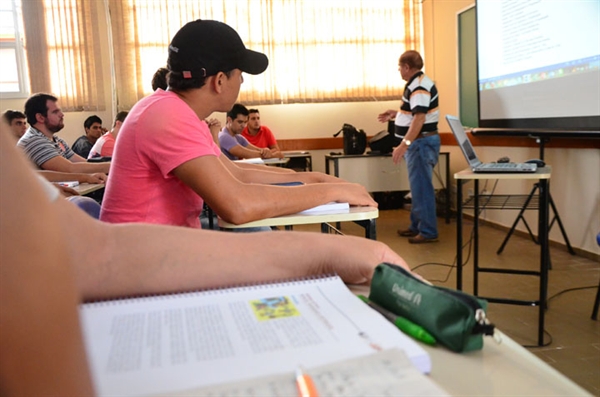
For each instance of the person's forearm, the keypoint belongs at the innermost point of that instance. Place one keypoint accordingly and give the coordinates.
(319, 177)
(261, 167)
(415, 127)
(261, 174)
(285, 200)
(60, 164)
(253, 147)
(42, 351)
(245, 153)
(88, 168)
(75, 158)
(146, 259)
(277, 200)
(143, 259)
(55, 176)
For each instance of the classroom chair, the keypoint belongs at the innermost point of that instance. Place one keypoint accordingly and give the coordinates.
(87, 204)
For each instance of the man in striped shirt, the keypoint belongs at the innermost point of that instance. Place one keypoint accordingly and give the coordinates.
(416, 124)
(44, 149)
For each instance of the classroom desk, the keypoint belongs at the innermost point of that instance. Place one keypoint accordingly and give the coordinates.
(378, 173)
(363, 216)
(295, 155)
(277, 162)
(273, 161)
(542, 175)
(86, 188)
(505, 369)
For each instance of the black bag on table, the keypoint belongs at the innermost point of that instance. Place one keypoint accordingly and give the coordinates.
(384, 142)
(355, 141)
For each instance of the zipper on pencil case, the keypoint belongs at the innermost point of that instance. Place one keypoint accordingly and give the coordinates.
(482, 325)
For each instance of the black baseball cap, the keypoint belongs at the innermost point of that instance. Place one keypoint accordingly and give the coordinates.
(203, 48)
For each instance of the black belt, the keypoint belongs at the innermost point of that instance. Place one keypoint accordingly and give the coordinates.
(421, 135)
(426, 133)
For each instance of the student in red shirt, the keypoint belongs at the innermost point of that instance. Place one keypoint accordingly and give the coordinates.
(259, 135)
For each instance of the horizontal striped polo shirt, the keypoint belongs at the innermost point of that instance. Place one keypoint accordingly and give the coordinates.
(420, 96)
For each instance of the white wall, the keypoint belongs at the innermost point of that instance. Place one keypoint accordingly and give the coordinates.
(575, 192)
(322, 120)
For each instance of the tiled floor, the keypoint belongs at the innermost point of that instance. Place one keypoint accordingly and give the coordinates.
(575, 338)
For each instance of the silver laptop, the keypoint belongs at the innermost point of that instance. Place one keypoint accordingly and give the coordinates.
(474, 163)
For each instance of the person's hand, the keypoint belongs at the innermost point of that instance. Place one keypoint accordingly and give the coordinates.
(265, 153)
(354, 194)
(95, 178)
(278, 154)
(354, 258)
(214, 125)
(386, 116)
(67, 191)
(398, 153)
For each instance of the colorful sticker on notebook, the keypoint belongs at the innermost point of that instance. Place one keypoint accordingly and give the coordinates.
(272, 308)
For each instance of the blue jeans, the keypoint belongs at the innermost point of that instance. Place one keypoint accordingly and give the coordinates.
(420, 158)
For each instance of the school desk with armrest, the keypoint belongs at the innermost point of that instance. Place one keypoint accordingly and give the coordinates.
(363, 216)
(86, 189)
(93, 190)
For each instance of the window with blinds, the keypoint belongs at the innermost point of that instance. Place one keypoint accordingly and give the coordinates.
(319, 51)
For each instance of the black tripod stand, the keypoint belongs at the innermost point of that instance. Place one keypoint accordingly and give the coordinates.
(531, 202)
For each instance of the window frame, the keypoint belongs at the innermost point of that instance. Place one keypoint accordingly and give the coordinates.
(19, 48)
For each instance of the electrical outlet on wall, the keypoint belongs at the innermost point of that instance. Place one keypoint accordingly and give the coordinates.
(485, 192)
(470, 192)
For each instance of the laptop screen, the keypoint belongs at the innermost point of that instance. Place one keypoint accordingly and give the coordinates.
(468, 151)
(463, 141)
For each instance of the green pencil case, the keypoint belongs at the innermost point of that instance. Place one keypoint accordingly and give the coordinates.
(456, 319)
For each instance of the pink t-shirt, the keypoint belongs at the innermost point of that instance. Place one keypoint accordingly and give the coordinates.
(160, 133)
(104, 146)
(264, 138)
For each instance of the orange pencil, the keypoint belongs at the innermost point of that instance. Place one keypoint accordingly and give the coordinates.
(305, 384)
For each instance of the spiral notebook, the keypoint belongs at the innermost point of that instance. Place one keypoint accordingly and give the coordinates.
(171, 343)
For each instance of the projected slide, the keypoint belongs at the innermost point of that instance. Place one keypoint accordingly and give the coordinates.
(538, 58)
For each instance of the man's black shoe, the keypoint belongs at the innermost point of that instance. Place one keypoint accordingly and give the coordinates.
(407, 233)
(419, 239)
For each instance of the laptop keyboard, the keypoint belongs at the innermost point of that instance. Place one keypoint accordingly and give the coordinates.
(503, 167)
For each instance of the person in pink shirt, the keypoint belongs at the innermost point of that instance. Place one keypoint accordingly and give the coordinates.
(105, 145)
(166, 162)
(259, 135)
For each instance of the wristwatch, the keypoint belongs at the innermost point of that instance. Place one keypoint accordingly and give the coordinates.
(407, 142)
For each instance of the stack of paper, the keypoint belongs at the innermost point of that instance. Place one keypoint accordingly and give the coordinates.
(333, 207)
(256, 160)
